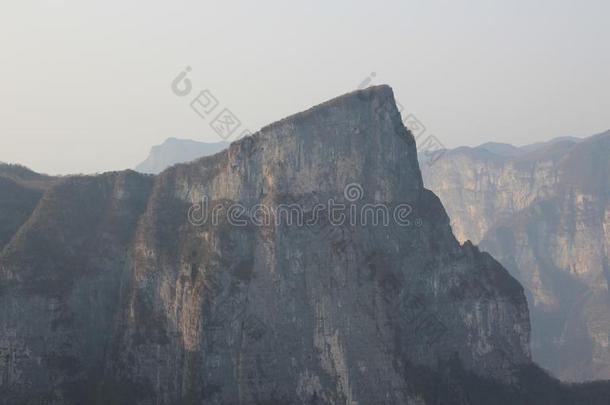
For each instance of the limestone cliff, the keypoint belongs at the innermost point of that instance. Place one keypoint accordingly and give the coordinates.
(114, 292)
(544, 213)
(20, 191)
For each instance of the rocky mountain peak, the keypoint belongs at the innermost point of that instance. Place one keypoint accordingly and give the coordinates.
(154, 289)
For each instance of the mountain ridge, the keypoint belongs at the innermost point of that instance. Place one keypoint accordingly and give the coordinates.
(140, 305)
(544, 214)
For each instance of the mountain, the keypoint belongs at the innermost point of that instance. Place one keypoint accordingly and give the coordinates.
(559, 140)
(544, 213)
(174, 151)
(125, 288)
(20, 191)
(502, 149)
(507, 150)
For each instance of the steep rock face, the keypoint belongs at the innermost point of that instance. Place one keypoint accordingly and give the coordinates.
(265, 313)
(545, 215)
(16, 205)
(60, 282)
(20, 191)
(112, 292)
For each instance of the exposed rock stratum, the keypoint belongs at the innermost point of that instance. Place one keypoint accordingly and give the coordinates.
(110, 294)
(544, 212)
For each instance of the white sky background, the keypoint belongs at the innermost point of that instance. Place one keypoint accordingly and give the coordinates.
(85, 86)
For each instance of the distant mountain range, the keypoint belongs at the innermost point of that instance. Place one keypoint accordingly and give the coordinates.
(174, 151)
(508, 150)
(543, 211)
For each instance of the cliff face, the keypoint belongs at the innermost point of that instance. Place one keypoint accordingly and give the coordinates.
(61, 279)
(20, 191)
(112, 291)
(545, 215)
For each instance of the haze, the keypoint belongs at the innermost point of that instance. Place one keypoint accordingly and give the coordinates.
(86, 85)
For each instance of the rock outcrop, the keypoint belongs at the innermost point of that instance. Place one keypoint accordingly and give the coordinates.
(120, 289)
(544, 212)
(20, 191)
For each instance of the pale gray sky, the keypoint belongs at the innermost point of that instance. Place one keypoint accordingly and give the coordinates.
(86, 85)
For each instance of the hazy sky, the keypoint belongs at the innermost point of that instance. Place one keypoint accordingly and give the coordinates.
(86, 85)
